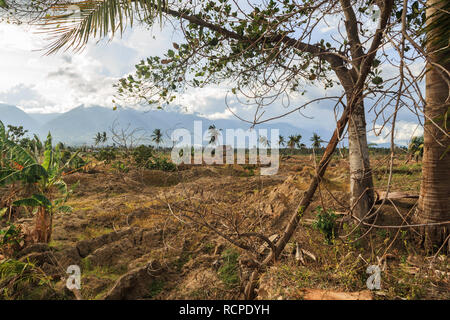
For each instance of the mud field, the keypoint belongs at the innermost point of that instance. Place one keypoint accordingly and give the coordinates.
(148, 234)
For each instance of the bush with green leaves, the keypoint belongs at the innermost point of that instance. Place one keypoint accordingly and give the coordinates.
(106, 154)
(161, 163)
(120, 166)
(325, 223)
(142, 155)
(11, 239)
(11, 235)
(145, 157)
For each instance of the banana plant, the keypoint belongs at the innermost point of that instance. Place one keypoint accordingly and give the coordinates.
(42, 179)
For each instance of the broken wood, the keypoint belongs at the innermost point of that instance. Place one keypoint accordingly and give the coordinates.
(396, 195)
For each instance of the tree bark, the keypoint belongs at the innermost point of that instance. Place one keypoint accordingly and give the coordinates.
(361, 184)
(434, 199)
(43, 225)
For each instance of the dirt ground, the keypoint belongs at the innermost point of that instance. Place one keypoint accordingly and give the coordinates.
(147, 234)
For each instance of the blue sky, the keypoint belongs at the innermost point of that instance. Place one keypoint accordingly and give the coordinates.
(60, 82)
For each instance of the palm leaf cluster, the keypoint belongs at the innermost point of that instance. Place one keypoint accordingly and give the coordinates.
(78, 21)
(294, 142)
(316, 141)
(157, 136)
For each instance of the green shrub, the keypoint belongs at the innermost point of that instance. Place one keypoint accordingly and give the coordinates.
(120, 166)
(11, 236)
(142, 155)
(325, 223)
(107, 155)
(161, 163)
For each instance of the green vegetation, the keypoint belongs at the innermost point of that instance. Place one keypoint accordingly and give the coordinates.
(23, 280)
(155, 288)
(40, 177)
(142, 155)
(11, 236)
(415, 147)
(325, 223)
(228, 272)
(106, 154)
(120, 166)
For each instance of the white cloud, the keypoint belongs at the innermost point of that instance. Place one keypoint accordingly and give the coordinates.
(404, 131)
(63, 81)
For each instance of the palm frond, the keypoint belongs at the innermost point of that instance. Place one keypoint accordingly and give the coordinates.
(96, 18)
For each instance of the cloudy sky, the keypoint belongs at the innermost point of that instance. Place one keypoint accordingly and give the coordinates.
(57, 83)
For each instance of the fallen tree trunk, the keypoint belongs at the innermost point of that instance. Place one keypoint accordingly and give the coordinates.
(396, 195)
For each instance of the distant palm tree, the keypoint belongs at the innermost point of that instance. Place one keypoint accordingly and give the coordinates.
(299, 145)
(294, 142)
(281, 141)
(100, 138)
(291, 142)
(214, 134)
(157, 136)
(316, 141)
(264, 141)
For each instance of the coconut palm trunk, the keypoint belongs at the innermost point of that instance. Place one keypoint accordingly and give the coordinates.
(434, 199)
(361, 183)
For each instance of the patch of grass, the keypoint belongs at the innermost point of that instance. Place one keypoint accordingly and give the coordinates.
(86, 264)
(23, 280)
(182, 260)
(93, 232)
(155, 288)
(354, 238)
(56, 244)
(209, 247)
(400, 284)
(106, 272)
(228, 272)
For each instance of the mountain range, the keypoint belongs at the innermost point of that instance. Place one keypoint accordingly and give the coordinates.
(78, 126)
